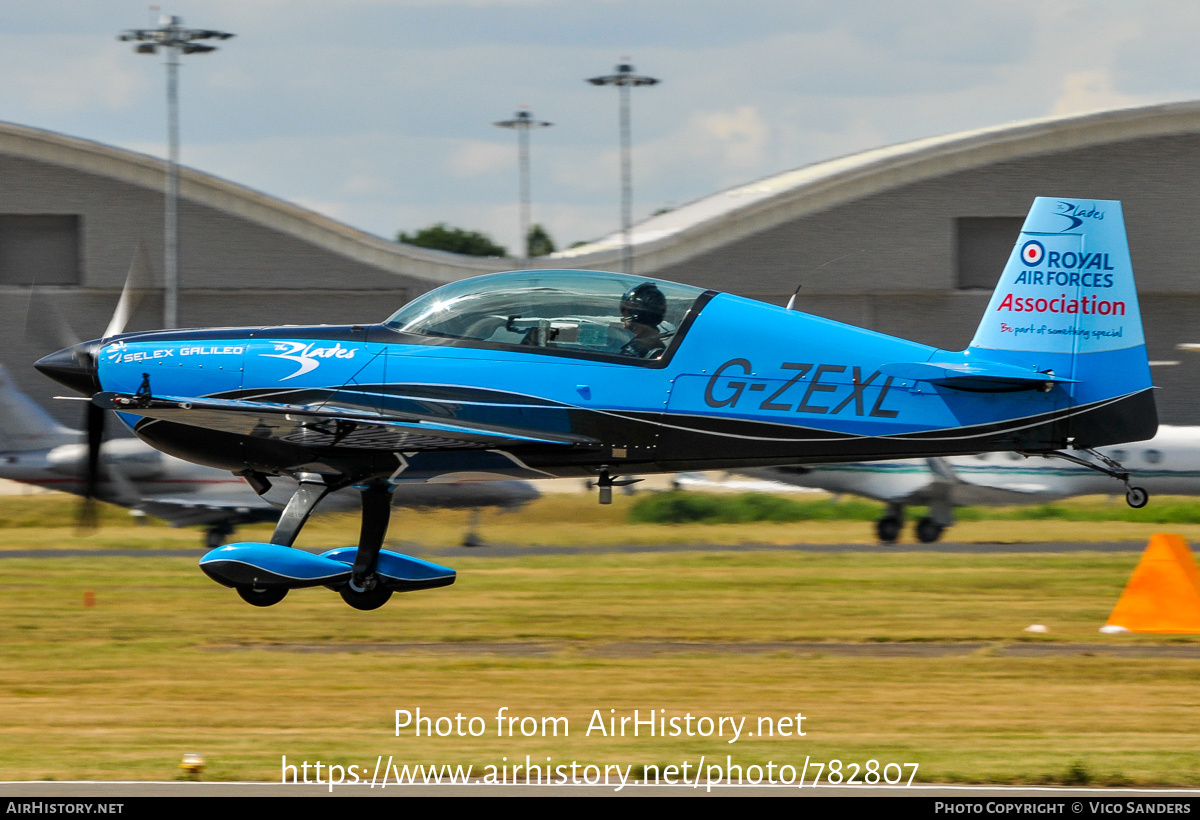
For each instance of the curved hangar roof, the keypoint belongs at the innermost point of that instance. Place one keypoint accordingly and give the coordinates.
(728, 218)
(698, 231)
(125, 168)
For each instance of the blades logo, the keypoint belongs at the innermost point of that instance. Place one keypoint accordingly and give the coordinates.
(308, 356)
(1076, 214)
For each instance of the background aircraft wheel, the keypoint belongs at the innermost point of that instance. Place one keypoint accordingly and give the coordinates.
(1136, 497)
(369, 599)
(268, 596)
(888, 529)
(928, 530)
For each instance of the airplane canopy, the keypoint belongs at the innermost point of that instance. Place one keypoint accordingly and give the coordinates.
(587, 312)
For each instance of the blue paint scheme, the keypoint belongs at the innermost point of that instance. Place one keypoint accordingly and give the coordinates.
(273, 565)
(575, 373)
(735, 362)
(286, 566)
(397, 567)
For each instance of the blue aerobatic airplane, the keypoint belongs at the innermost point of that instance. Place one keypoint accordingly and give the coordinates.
(547, 373)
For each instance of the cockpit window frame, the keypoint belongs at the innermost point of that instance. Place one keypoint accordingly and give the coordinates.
(689, 317)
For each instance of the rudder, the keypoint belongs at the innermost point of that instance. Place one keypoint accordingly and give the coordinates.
(1067, 302)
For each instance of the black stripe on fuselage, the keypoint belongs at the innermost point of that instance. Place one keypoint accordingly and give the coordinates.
(666, 443)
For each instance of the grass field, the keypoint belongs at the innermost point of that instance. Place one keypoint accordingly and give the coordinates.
(44, 521)
(167, 662)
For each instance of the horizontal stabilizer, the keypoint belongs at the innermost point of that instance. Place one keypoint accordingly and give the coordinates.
(973, 375)
(199, 509)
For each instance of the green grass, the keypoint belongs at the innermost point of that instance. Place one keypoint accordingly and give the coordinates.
(167, 662)
(47, 521)
(710, 508)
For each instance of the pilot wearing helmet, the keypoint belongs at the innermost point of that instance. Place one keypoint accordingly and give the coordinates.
(642, 310)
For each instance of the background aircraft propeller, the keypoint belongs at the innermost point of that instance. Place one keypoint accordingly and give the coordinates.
(45, 324)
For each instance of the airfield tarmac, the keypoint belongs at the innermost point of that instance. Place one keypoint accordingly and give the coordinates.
(509, 551)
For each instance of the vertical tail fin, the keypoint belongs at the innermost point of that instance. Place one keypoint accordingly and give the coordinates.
(24, 425)
(1067, 302)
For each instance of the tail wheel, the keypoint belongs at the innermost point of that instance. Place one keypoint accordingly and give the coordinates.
(262, 596)
(1136, 497)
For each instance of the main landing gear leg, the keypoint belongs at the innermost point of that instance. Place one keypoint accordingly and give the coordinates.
(1135, 497)
(473, 538)
(299, 507)
(364, 589)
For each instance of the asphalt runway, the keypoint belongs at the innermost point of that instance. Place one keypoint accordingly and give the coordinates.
(508, 551)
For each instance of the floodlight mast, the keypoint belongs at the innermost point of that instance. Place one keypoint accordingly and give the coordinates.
(175, 40)
(523, 122)
(624, 80)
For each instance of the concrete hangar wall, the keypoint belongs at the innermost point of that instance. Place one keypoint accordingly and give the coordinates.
(907, 239)
(72, 215)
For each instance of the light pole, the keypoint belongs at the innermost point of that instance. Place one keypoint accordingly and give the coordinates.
(624, 80)
(172, 37)
(523, 122)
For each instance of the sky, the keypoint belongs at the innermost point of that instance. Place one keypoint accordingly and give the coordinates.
(379, 113)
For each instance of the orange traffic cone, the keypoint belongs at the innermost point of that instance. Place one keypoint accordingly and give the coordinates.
(1163, 594)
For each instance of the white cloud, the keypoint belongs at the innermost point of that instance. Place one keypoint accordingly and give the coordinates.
(365, 185)
(380, 113)
(471, 158)
(1084, 91)
(87, 74)
(736, 139)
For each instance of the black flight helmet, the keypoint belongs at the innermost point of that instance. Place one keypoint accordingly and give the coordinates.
(645, 304)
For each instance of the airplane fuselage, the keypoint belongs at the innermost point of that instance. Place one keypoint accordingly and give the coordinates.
(746, 384)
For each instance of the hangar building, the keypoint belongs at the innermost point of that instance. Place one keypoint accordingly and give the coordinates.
(907, 239)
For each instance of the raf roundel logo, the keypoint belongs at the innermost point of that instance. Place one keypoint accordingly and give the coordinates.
(1032, 252)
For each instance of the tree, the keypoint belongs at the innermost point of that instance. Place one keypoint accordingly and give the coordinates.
(439, 237)
(538, 242)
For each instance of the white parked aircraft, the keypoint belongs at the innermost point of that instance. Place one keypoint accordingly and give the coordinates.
(35, 449)
(1167, 464)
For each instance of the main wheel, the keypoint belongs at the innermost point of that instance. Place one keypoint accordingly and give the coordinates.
(928, 530)
(1136, 497)
(262, 596)
(888, 529)
(372, 598)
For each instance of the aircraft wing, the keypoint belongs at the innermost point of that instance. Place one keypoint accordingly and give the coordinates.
(331, 426)
(965, 486)
(188, 511)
